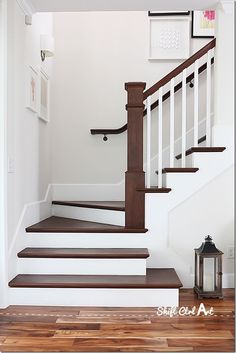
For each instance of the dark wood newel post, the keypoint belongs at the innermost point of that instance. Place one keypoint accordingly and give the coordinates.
(135, 176)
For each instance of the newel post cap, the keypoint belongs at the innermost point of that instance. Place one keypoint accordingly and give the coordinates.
(135, 85)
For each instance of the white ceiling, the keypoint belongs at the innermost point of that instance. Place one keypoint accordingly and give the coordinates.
(119, 5)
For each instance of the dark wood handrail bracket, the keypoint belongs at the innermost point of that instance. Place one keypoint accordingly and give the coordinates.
(162, 82)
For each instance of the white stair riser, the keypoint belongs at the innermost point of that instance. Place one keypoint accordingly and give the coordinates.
(188, 160)
(90, 214)
(108, 297)
(82, 266)
(208, 162)
(84, 240)
(179, 180)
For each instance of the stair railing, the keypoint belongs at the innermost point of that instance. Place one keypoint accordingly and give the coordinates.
(135, 176)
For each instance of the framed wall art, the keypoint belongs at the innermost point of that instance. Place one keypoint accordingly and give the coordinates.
(32, 90)
(168, 13)
(169, 38)
(44, 96)
(203, 24)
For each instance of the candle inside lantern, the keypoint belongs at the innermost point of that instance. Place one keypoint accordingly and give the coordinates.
(208, 277)
(208, 283)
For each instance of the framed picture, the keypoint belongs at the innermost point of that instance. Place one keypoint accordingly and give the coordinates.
(169, 38)
(32, 90)
(168, 13)
(203, 24)
(44, 96)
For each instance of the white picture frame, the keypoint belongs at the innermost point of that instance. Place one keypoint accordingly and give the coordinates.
(203, 24)
(32, 90)
(169, 38)
(44, 96)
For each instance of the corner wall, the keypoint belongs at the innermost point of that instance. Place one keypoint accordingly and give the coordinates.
(28, 138)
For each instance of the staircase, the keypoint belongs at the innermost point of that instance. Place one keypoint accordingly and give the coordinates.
(68, 258)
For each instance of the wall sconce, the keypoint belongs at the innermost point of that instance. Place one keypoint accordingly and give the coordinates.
(46, 46)
(208, 270)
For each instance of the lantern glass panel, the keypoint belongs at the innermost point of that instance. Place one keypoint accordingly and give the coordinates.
(209, 275)
(217, 277)
(197, 271)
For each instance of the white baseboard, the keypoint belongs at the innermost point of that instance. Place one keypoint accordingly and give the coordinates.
(227, 280)
(32, 213)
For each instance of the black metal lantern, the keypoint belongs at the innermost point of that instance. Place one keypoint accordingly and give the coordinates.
(208, 270)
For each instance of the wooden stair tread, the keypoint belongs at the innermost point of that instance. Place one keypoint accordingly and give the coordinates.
(155, 189)
(85, 253)
(103, 205)
(155, 278)
(178, 170)
(201, 149)
(69, 225)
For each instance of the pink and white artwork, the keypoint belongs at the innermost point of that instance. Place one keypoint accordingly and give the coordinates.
(32, 90)
(203, 24)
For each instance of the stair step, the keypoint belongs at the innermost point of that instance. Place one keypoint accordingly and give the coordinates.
(69, 225)
(201, 149)
(155, 278)
(85, 253)
(179, 170)
(103, 205)
(155, 189)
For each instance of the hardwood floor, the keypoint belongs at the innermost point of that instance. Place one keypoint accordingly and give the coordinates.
(76, 329)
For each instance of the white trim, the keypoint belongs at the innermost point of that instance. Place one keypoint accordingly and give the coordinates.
(227, 280)
(26, 7)
(3, 176)
(47, 200)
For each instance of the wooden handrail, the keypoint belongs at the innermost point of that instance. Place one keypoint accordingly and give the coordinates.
(179, 69)
(153, 106)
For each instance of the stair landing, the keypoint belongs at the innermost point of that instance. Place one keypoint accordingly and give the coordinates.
(68, 225)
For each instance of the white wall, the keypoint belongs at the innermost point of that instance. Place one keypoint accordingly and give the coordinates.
(209, 211)
(225, 61)
(28, 138)
(96, 53)
(3, 183)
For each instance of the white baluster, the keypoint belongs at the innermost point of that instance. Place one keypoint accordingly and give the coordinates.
(160, 139)
(148, 171)
(196, 103)
(208, 101)
(172, 122)
(184, 118)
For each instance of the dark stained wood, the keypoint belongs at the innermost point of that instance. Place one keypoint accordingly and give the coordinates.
(154, 105)
(103, 205)
(56, 329)
(202, 139)
(154, 189)
(134, 177)
(68, 225)
(84, 253)
(179, 69)
(201, 149)
(155, 278)
(179, 170)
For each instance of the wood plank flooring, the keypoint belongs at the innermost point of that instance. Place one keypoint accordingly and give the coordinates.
(96, 329)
